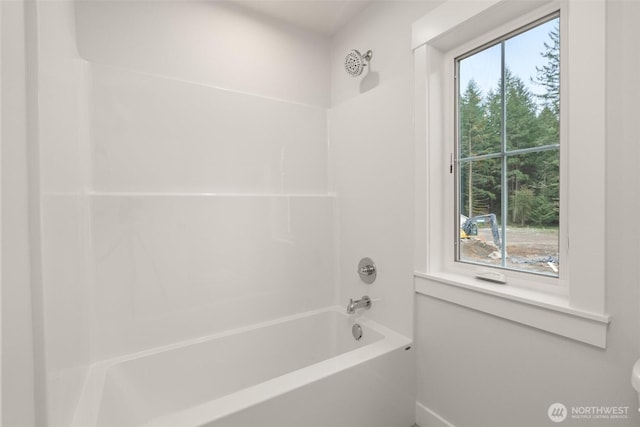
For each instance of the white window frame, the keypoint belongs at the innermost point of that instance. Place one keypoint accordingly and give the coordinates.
(572, 305)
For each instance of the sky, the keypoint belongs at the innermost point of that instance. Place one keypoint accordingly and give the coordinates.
(522, 55)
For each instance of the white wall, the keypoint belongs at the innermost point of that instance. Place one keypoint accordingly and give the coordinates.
(478, 370)
(17, 339)
(475, 369)
(0, 218)
(371, 144)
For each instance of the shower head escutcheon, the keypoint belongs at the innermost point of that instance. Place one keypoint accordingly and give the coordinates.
(355, 62)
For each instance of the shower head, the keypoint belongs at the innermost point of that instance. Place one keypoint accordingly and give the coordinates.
(354, 62)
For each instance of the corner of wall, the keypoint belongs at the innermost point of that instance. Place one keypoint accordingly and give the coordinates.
(18, 406)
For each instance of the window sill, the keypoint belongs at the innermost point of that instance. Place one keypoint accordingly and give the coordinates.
(551, 313)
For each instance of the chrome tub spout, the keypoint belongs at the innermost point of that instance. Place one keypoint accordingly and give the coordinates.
(364, 302)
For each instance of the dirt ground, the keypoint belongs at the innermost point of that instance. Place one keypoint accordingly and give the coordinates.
(528, 249)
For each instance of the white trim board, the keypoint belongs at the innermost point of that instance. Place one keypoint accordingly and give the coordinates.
(425, 417)
(549, 316)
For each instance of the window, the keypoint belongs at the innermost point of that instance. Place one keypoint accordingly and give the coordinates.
(567, 154)
(507, 153)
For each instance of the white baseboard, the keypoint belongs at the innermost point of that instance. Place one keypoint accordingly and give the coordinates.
(425, 417)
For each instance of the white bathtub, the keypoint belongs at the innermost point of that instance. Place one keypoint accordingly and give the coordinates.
(304, 370)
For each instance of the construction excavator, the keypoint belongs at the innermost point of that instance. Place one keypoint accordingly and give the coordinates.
(469, 227)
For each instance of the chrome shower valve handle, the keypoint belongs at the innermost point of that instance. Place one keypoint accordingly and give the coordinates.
(367, 270)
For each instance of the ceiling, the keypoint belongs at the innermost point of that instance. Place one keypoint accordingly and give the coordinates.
(320, 16)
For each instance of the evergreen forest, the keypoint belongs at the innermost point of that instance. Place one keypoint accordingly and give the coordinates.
(525, 121)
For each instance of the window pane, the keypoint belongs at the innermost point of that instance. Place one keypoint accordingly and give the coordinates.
(531, 233)
(480, 185)
(534, 212)
(479, 103)
(480, 207)
(508, 114)
(532, 70)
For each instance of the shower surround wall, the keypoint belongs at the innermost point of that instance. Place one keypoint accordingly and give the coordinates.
(184, 163)
(209, 209)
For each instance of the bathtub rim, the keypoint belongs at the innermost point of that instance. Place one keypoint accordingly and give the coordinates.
(88, 408)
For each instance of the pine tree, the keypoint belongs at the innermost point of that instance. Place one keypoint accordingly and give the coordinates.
(548, 75)
(472, 120)
(522, 131)
(472, 136)
(546, 211)
(522, 127)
